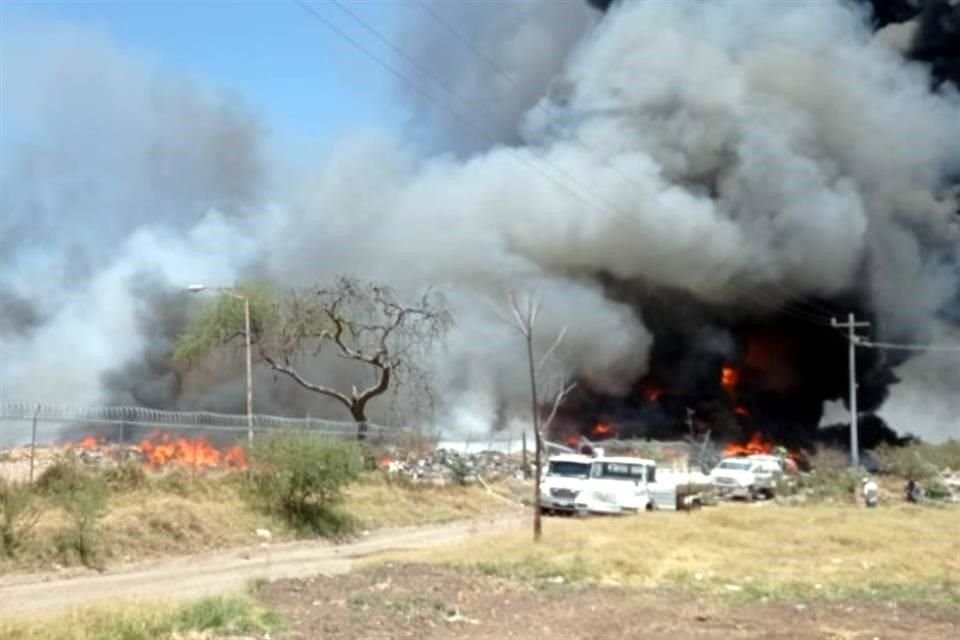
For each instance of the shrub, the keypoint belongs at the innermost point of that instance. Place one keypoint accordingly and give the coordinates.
(127, 476)
(301, 477)
(18, 515)
(459, 470)
(919, 461)
(84, 500)
(65, 474)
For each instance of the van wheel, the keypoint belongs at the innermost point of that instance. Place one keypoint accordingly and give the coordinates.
(650, 507)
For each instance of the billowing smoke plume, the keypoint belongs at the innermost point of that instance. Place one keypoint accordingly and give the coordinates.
(678, 170)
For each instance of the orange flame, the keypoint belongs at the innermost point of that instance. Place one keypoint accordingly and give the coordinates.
(602, 430)
(384, 462)
(162, 449)
(740, 410)
(729, 377)
(571, 440)
(651, 392)
(755, 445)
(90, 442)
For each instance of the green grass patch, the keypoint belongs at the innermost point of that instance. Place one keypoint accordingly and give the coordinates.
(221, 615)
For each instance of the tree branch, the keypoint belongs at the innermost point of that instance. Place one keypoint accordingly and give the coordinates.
(557, 401)
(553, 347)
(381, 385)
(294, 375)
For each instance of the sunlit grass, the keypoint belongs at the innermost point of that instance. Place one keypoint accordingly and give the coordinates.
(828, 551)
(145, 621)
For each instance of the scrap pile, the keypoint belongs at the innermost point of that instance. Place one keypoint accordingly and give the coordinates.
(445, 466)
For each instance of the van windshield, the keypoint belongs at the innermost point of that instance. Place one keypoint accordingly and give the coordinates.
(569, 469)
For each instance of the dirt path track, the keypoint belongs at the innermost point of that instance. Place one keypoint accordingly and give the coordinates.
(225, 571)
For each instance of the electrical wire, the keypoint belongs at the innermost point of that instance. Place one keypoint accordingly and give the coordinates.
(860, 342)
(784, 304)
(793, 300)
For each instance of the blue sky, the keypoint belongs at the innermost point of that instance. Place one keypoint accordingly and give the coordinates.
(306, 82)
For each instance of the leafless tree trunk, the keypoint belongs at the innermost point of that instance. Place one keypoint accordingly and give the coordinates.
(525, 321)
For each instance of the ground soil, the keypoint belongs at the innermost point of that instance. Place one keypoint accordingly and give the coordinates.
(426, 602)
(225, 571)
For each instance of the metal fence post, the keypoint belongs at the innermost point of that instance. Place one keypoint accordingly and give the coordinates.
(33, 441)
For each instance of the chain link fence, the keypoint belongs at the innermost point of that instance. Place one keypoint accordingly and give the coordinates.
(44, 424)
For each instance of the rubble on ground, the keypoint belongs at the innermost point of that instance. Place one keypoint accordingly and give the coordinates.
(15, 462)
(445, 466)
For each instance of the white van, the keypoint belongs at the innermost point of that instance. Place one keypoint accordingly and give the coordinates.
(562, 481)
(622, 484)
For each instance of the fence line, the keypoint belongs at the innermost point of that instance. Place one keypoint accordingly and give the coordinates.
(142, 416)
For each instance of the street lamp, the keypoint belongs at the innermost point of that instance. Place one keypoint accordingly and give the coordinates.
(198, 288)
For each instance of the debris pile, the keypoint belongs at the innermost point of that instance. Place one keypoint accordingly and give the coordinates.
(15, 462)
(446, 466)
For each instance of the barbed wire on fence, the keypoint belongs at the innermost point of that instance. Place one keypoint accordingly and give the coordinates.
(143, 416)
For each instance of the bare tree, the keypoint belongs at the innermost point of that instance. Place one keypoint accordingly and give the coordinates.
(524, 320)
(357, 321)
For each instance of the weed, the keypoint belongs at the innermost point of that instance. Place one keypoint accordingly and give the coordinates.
(84, 500)
(228, 616)
(127, 476)
(65, 474)
(225, 616)
(919, 461)
(19, 513)
(459, 470)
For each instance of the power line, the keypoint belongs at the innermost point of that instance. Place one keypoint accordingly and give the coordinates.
(567, 182)
(819, 315)
(907, 347)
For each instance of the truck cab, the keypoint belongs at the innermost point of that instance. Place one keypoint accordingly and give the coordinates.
(562, 481)
(747, 477)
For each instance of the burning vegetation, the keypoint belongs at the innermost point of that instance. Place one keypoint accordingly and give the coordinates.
(161, 450)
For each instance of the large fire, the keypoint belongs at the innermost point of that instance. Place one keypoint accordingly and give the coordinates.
(162, 449)
(757, 444)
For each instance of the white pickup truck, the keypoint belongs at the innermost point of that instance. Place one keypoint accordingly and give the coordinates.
(624, 484)
(748, 477)
(564, 478)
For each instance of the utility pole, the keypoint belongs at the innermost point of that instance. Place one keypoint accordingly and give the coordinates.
(246, 340)
(851, 325)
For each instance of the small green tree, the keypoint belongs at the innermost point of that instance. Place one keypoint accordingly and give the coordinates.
(19, 513)
(301, 476)
(359, 321)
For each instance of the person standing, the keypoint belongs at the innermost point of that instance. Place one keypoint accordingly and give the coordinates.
(870, 492)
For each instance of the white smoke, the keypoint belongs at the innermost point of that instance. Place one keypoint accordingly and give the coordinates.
(927, 402)
(741, 151)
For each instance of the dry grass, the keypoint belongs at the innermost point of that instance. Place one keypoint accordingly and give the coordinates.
(376, 503)
(822, 551)
(207, 618)
(182, 514)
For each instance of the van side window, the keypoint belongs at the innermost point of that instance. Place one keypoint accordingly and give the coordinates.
(651, 474)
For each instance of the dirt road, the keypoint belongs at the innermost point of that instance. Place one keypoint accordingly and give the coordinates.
(221, 572)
